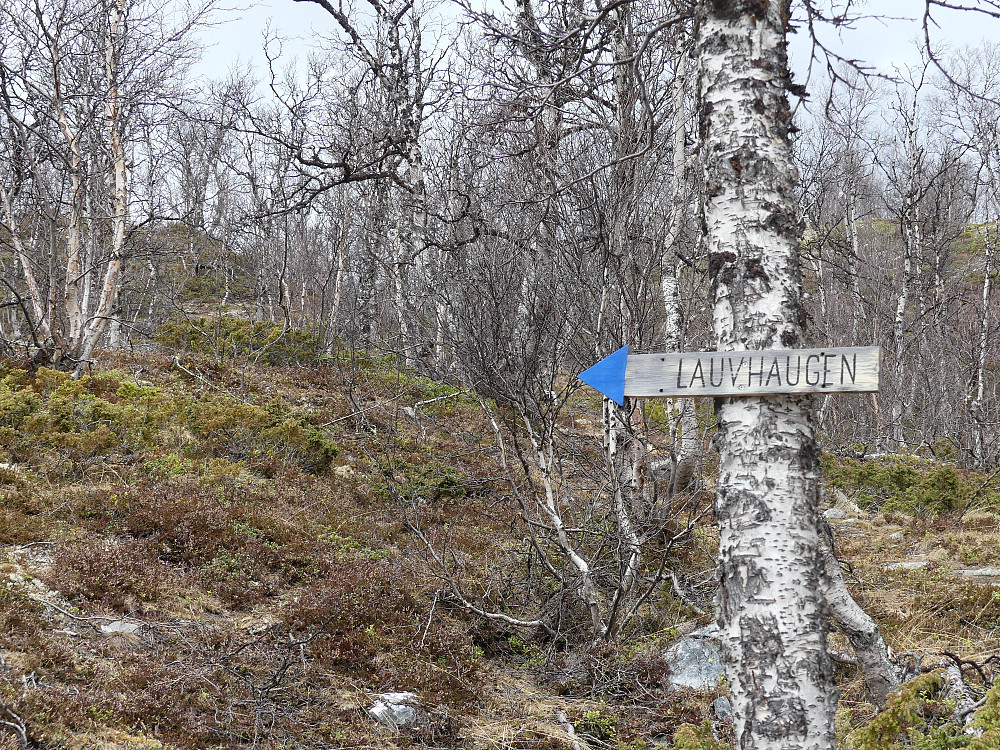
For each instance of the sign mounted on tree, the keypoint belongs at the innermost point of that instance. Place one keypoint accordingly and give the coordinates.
(853, 369)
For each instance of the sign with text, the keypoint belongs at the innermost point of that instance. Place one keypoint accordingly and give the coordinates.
(852, 369)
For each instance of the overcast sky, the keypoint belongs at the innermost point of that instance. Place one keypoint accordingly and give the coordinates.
(884, 40)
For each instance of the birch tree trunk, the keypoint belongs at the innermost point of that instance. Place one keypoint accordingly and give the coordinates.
(767, 501)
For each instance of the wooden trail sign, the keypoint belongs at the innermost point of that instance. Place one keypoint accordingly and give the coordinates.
(853, 369)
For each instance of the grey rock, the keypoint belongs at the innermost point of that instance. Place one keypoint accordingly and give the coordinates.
(723, 708)
(344, 471)
(986, 572)
(835, 513)
(120, 626)
(907, 565)
(845, 503)
(396, 710)
(696, 660)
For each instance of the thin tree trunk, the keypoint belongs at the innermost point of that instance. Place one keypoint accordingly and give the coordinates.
(40, 324)
(861, 631)
(98, 322)
(852, 265)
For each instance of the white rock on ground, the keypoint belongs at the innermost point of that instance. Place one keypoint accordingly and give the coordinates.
(397, 710)
(985, 572)
(907, 565)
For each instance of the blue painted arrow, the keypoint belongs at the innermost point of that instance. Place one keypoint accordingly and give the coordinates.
(608, 375)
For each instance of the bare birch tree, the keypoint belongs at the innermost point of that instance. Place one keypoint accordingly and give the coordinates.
(77, 75)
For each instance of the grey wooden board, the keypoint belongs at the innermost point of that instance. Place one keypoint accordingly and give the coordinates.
(852, 369)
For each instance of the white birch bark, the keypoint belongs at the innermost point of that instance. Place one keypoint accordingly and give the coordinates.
(912, 241)
(40, 323)
(72, 294)
(767, 501)
(684, 409)
(850, 200)
(338, 283)
(548, 505)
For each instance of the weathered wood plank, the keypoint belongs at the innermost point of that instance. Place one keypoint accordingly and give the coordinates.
(853, 369)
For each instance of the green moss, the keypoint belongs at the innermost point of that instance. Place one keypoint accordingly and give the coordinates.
(432, 481)
(987, 721)
(597, 724)
(690, 737)
(915, 713)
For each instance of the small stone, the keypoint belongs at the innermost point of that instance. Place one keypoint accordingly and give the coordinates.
(120, 626)
(723, 708)
(907, 565)
(835, 513)
(397, 710)
(986, 572)
(696, 660)
(845, 503)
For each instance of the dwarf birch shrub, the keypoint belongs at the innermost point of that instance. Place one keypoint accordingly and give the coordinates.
(906, 484)
(233, 339)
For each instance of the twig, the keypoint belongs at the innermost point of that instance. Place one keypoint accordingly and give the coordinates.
(176, 362)
(440, 398)
(975, 494)
(14, 723)
(34, 544)
(430, 616)
(362, 411)
(496, 429)
(682, 596)
(10, 720)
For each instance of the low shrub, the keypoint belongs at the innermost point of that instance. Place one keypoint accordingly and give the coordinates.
(917, 716)
(232, 339)
(64, 426)
(232, 537)
(906, 484)
(118, 573)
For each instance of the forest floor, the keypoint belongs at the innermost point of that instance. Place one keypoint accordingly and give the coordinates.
(196, 554)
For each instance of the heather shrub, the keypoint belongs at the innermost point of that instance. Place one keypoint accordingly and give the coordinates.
(118, 573)
(233, 537)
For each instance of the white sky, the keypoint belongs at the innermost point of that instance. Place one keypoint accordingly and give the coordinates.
(237, 39)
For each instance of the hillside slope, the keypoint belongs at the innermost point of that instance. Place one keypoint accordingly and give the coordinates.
(204, 555)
